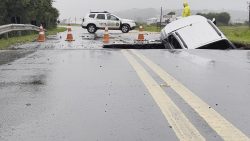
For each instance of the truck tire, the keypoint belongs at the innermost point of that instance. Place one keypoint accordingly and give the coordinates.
(125, 28)
(91, 28)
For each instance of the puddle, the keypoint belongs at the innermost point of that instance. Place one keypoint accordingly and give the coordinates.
(87, 36)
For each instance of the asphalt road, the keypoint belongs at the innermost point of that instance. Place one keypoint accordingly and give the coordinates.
(60, 91)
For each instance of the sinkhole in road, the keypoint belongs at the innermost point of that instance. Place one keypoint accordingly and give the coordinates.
(135, 46)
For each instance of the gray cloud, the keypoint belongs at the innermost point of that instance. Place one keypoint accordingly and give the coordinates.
(79, 8)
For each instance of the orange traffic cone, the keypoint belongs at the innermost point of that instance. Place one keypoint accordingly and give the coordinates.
(106, 35)
(141, 34)
(69, 34)
(41, 37)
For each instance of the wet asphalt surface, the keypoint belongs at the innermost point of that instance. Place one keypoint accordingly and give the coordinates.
(60, 91)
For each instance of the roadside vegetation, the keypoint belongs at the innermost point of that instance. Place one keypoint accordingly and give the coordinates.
(72, 24)
(237, 34)
(54, 31)
(34, 12)
(7, 42)
(149, 28)
(222, 18)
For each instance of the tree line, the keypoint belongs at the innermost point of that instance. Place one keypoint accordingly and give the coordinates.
(34, 12)
(221, 18)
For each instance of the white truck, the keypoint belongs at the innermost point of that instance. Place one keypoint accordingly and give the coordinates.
(194, 32)
(99, 20)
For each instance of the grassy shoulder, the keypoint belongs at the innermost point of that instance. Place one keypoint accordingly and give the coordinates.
(78, 25)
(237, 34)
(54, 31)
(149, 28)
(5, 43)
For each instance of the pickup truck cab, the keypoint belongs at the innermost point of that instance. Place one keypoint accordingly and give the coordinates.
(194, 32)
(99, 20)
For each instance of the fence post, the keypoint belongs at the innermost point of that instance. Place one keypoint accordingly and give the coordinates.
(19, 33)
(7, 35)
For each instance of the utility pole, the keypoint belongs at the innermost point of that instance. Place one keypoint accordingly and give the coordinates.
(161, 18)
(249, 13)
(69, 20)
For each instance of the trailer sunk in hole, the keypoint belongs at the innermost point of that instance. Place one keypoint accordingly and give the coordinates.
(194, 32)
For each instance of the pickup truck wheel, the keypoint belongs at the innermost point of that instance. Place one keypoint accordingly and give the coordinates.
(125, 28)
(91, 28)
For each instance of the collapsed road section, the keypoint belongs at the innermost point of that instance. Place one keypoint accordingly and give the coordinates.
(193, 32)
(80, 91)
(135, 46)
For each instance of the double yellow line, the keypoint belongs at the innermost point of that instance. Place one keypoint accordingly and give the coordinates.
(182, 127)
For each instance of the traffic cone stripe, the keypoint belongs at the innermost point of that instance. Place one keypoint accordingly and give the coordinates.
(106, 36)
(69, 34)
(41, 37)
(141, 34)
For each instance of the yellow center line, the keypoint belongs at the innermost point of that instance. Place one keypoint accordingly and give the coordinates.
(182, 127)
(218, 123)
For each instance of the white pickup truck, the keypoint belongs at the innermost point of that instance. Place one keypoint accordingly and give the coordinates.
(194, 32)
(99, 20)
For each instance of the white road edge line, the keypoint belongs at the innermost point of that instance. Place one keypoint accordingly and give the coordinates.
(182, 127)
(218, 123)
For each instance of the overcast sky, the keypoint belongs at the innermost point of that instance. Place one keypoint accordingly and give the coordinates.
(79, 8)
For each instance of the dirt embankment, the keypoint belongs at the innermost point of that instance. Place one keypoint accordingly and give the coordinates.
(242, 45)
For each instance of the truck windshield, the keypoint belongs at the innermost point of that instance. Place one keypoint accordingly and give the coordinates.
(174, 42)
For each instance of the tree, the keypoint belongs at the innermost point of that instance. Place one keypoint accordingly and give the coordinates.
(171, 13)
(3, 12)
(224, 17)
(26, 11)
(16, 12)
(221, 18)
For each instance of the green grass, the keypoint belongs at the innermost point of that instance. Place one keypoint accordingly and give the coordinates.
(237, 34)
(54, 31)
(149, 28)
(78, 25)
(5, 43)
